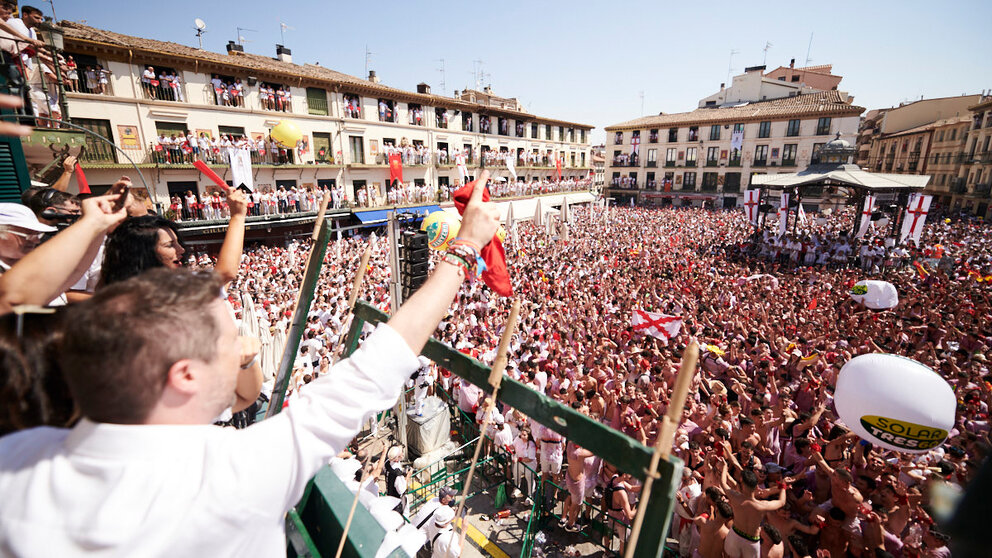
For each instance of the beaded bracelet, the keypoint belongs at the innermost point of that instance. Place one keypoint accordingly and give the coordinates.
(458, 262)
(471, 257)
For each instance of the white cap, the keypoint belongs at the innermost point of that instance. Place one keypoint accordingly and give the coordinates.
(17, 215)
(443, 515)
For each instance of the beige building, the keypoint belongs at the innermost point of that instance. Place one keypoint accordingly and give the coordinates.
(925, 137)
(974, 185)
(818, 77)
(758, 126)
(347, 122)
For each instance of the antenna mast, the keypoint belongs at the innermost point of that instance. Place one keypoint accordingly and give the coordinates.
(441, 69)
(764, 59)
(241, 39)
(730, 63)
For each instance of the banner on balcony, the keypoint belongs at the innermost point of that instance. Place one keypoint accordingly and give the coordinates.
(635, 143)
(737, 140)
(395, 167)
(916, 216)
(510, 166)
(241, 174)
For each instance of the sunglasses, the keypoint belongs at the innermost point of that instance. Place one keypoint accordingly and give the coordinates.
(30, 237)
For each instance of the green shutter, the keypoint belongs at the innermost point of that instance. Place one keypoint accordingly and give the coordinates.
(14, 177)
(317, 101)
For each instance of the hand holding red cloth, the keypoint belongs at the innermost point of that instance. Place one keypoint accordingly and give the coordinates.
(496, 276)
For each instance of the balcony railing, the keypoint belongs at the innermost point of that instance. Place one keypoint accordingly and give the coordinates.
(788, 162)
(712, 163)
(89, 80)
(708, 188)
(412, 160)
(959, 186)
(732, 188)
(159, 89)
(982, 190)
(691, 163)
(317, 107)
(760, 163)
(98, 152)
(183, 155)
(628, 163)
(652, 164)
(670, 164)
(277, 103)
(734, 163)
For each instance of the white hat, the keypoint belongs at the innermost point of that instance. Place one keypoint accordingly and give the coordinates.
(17, 215)
(443, 515)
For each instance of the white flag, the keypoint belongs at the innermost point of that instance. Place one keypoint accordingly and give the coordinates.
(800, 213)
(241, 168)
(866, 215)
(916, 216)
(659, 326)
(737, 140)
(751, 199)
(783, 214)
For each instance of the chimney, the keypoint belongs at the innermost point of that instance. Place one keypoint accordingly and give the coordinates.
(423, 88)
(722, 86)
(372, 77)
(792, 63)
(283, 54)
(487, 90)
(233, 47)
(456, 94)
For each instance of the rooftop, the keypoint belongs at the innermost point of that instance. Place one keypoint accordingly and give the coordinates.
(79, 34)
(820, 103)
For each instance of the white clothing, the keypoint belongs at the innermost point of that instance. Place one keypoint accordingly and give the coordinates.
(187, 490)
(446, 544)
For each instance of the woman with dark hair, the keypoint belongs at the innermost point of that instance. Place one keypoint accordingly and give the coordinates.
(147, 242)
(33, 389)
(140, 244)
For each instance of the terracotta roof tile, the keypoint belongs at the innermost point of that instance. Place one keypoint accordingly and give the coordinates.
(825, 103)
(255, 62)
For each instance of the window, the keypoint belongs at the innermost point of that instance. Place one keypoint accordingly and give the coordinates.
(162, 84)
(954, 134)
(618, 138)
(670, 157)
(760, 155)
(387, 110)
(352, 106)
(561, 133)
(793, 129)
(582, 136)
(765, 129)
(739, 127)
(795, 78)
(90, 72)
(712, 156)
(233, 131)
(467, 151)
(98, 151)
(690, 157)
(673, 135)
(415, 114)
(715, 132)
(823, 126)
(275, 96)
(441, 117)
(322, 148)
(503, 126)
(467, 121)
(519, 129)
(485, 124)
(815, 159)
(547, 132)
(649, 181)
(735, 158)
(582, 159)
(316, 101)
(653, 136)
(693, 133)
(732, 182)
(357, 150)
(652, 157)
(571, 135)
(533, 131)
(710, 181)
(789, 154)
(689, 181)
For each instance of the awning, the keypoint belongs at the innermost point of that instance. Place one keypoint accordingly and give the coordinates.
(374, 216)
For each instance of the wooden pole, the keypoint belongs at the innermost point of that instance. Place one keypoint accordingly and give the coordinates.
(354, 504)
(663, 445)
(495, 380)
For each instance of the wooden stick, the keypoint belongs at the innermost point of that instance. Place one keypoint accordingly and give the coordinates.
(316, 232)
(359, 277)
(495, 380)
(354, 503)
(663, 445)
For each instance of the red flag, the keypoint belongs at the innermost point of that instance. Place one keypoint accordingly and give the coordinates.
(812, 304)
(558, 166)
(395, 168)
(84, 185)
(496, 275)
(202, 167)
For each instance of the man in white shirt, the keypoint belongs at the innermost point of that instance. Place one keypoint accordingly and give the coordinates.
(144, 472)
(422, 519)
(444, 541)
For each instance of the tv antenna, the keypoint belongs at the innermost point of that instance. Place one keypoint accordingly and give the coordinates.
(282, 31)
(241, 38)
(764, 59)
(201, 28)
(368, 59)
(479, 74)
(809, 48)
(730, 63)
(642, 102)
(441, 69)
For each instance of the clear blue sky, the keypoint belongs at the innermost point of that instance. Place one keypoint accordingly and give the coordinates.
(587, 61)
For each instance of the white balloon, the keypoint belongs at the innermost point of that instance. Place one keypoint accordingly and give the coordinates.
(895, 402)
(877, 295)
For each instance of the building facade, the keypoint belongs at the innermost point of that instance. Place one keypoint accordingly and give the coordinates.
(348, 123)
(974, 182)
(708, 155)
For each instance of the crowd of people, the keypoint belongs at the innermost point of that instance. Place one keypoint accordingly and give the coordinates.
(184, 149)
(770, 469)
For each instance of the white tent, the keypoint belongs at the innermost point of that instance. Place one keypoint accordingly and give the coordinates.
(539, 213)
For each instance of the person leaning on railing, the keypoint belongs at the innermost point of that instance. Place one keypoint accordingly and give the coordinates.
(151, 362)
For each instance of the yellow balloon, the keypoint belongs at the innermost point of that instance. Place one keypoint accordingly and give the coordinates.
(441, 228)
(947, 220)
(501, 233)
(286, 134)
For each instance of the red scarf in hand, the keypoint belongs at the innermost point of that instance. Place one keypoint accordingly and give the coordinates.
(496, 276)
